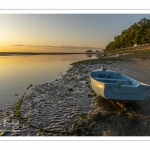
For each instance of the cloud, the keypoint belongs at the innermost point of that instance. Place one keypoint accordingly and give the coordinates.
(18, 45)
(49, 46)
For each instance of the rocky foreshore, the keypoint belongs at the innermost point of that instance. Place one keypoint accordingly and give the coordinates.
(68, 106)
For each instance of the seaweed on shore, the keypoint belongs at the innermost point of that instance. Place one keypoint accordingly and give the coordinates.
(29, 86)
(142, 54)
(98, 60)
(17, 111)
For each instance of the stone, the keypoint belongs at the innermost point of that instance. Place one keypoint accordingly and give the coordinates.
(130, 108)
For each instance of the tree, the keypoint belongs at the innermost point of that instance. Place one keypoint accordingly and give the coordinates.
(138, 33)
(148, 35)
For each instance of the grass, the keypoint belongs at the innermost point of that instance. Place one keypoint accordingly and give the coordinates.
(98, 60)
(143, 54)
(121, 51)
(140, 52)
(130, 50)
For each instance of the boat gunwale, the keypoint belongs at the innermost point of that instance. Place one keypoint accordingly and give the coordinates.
(114, 84)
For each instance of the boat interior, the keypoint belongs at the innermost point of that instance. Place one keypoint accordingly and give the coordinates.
(113, 77)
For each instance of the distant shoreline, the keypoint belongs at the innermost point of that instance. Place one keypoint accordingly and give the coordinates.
(31, 53)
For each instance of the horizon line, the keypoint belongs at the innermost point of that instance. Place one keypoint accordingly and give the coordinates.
(63, 46)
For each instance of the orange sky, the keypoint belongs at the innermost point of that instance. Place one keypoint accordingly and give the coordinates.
(64, 32)
(45, 49)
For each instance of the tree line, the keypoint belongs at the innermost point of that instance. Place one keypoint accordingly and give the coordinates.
(138, 33)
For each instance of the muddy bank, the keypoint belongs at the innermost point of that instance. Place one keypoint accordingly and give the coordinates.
(69, 106)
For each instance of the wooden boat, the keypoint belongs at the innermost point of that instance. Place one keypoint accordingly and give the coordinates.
(118, 87)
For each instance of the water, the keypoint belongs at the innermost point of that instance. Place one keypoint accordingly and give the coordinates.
(18, 72)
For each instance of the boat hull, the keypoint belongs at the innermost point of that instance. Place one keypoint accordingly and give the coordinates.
(117, 92)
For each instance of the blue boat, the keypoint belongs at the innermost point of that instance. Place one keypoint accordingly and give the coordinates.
(118, 87)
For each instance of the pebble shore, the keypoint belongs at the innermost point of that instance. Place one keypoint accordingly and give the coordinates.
(69, 107)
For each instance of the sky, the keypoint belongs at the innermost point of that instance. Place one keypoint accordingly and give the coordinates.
(61, 32)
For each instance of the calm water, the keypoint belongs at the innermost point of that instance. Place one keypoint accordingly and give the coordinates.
(18, 72)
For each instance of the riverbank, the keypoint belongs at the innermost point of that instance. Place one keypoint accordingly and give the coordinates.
(68, 106)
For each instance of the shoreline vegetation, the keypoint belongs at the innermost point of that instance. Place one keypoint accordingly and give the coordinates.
(69, 107)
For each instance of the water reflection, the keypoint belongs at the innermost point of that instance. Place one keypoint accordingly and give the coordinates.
(90, 55)
(18, 72)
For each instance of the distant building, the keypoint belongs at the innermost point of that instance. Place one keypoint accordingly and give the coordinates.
(97, 51)
(89, 51)
(102, 51)
(135, 45)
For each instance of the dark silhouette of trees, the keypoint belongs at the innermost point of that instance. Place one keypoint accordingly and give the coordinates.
(138, 33)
